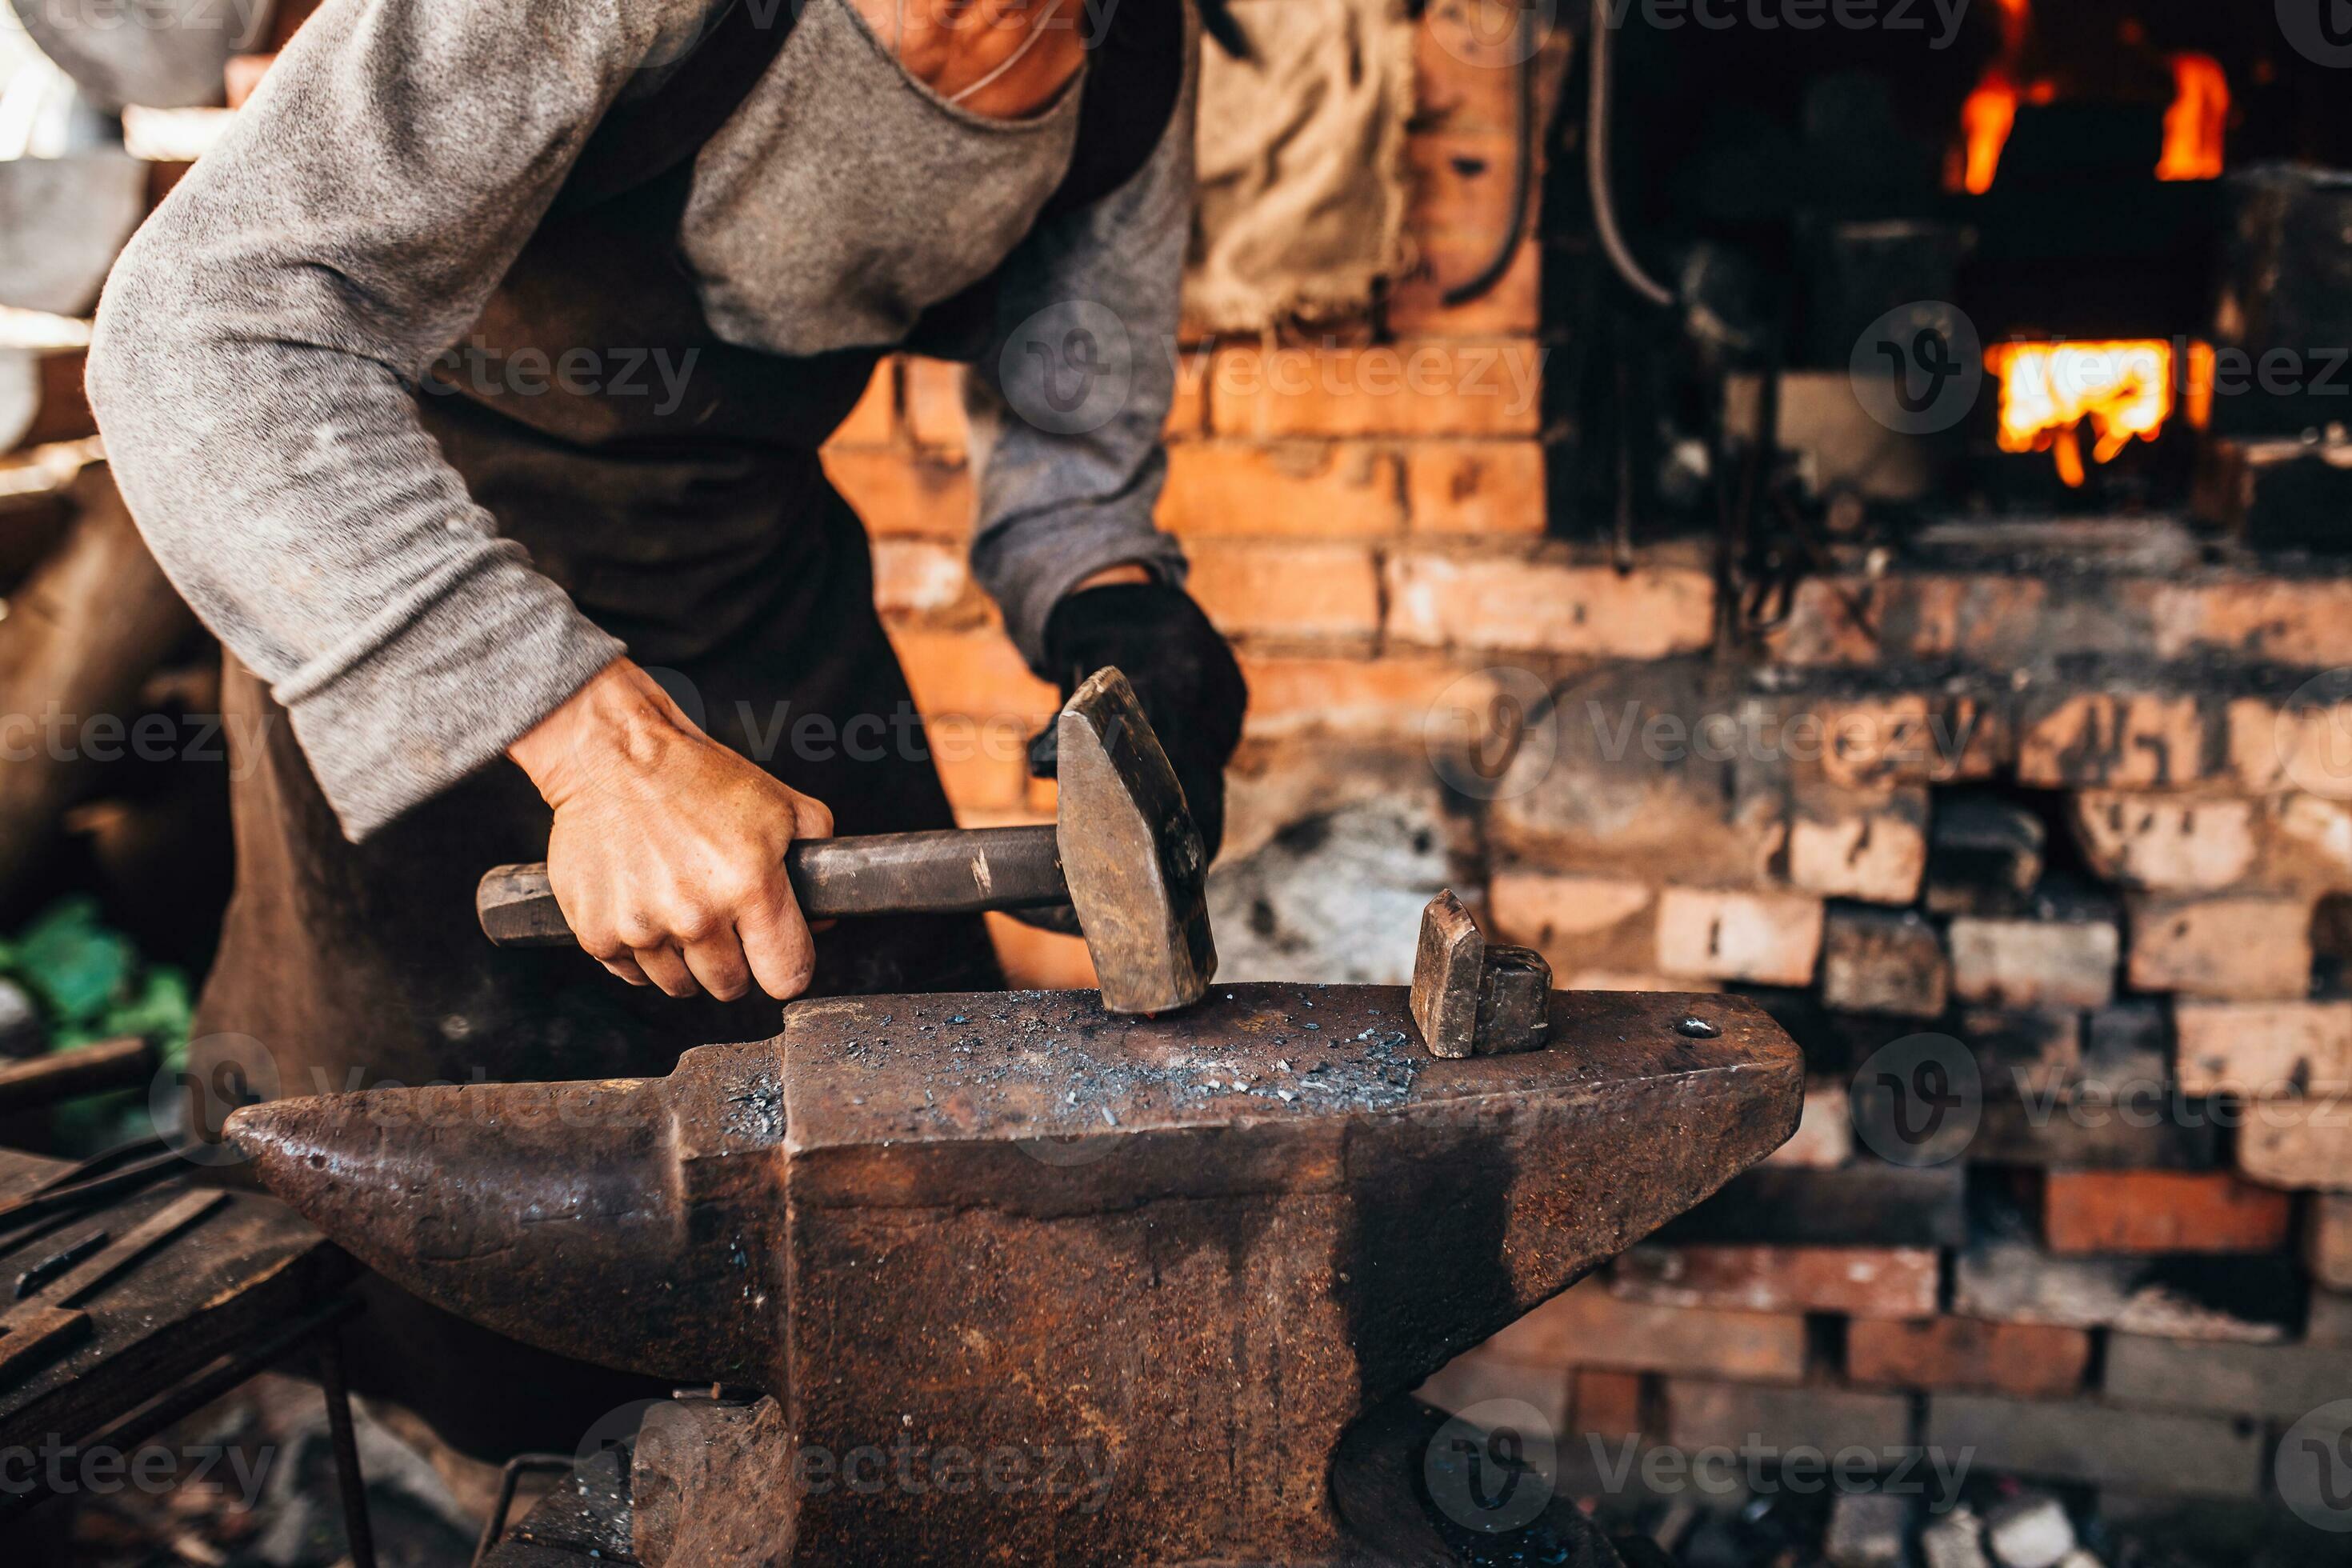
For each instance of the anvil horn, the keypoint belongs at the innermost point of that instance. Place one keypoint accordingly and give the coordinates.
(615, 1221)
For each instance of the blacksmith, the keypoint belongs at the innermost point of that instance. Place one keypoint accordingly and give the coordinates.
(483, 368)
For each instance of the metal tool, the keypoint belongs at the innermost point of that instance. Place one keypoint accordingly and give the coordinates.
(1201, 1246)
(1124, 853)
(86, 1069)
(38, 1330)
(1471, 997)
(34, 1279)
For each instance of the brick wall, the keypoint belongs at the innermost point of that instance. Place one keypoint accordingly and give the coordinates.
(2072, 809)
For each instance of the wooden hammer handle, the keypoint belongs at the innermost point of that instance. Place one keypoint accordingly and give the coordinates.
(954, 871)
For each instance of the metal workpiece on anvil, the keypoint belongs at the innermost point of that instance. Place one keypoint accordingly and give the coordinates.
(1208, 1242)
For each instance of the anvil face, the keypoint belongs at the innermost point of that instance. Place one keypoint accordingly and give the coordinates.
(1184, 1253)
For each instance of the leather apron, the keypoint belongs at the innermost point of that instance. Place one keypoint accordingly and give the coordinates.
(705, 536)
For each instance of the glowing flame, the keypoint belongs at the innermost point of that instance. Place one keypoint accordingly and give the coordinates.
(2194, 124)
(2122, 390)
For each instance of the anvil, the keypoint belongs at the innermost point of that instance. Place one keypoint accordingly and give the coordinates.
(1186, 1252)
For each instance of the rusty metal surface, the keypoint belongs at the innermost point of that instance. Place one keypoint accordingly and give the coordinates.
(1194, 1249)
(1472, 998)
(1138, 871)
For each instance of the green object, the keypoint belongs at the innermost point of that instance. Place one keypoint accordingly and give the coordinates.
(92, 984)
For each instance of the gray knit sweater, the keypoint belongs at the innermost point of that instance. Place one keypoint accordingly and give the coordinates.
(259, 344)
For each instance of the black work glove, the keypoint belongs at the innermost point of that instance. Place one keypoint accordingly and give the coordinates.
(1182, 673)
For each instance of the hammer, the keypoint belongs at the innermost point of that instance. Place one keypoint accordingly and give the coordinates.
(1123, 852)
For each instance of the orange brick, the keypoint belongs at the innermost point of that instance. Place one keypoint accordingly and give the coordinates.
(975, 672)
(1465, 66)
(1400, 389)
(935, 415)
(1586, 1326)
(2026, 963)
(1475, 487)
(2297, 1143)
(1824, 1136)
(2305, 621)
(1862, 620)
(1187, 408)
(2165, 842)
(978, 781)
(1318, 488)
(2123, 740)
(1513, 308)
(1606, 1404)
(898, 494)
(2161, 1211)
(1863, 1282)
(1772, 939)
(875, 421)
(1037, 960)
(2307, 747)
(1280, 589)
(1542, 908)
(2031, 1360)
(1911, 737)
(243, 75)
(1461, 183)
(2250, 948)
(1510, 602)
(2263, 1048)
(2327, 1241)
(916, 575)
(1854, 843)
(1369, 697)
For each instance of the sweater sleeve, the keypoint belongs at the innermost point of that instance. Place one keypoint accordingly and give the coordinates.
(258, 346)
(1068, 400)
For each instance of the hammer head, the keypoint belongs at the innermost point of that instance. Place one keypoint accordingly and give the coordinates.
(1135, 866)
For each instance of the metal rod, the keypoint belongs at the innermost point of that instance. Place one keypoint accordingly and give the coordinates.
(358, 1535)
(508, 1479)
(1479, 284)
(1596, 170)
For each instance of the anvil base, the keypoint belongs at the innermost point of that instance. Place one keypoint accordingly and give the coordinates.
(702, 1476)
